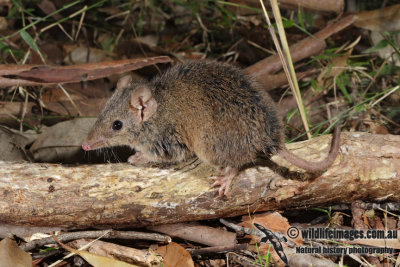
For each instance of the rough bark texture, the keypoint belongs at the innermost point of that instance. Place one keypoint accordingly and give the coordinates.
(118, 195)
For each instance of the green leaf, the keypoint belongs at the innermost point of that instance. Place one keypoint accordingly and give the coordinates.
(139, 25)
(3, 47)
(13, 10)
(382, 44)
(287, 23)
(345, 79)
(388, 69)
(291, 113)
(300, 18)
(327, 211)
(309, 18)
(314, 84)
(343, 88)
(226, 15)
(108, 44)
(29, 40)
(317, 131)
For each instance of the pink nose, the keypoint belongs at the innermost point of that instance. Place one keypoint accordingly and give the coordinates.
(86, 147)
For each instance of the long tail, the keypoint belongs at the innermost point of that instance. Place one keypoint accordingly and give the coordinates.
(314, 166)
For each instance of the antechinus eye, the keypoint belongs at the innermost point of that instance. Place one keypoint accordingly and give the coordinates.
(117, 125)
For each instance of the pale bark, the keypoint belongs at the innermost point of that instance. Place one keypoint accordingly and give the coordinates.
(120, 195)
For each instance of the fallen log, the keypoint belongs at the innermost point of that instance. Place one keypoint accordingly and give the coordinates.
(120, 195)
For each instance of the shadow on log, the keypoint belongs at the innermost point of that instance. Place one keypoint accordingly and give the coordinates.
(120, 195)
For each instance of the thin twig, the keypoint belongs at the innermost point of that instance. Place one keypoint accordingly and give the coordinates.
(64, 237)
(70, 99)
(80, 23)
(217, 249)
(385, 95)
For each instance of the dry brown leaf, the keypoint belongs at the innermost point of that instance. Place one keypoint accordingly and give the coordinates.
(56, 94)
(87, 108)
(389, 243)
(127, 254)
(3, 23)
(388, 51)
(61, 141)
(383, 19)
(150, 40)
(19, 75)
(273, 221)
(48, 7)
(175, 256)
(82, 55)
(12, 255)
(12, 144)
(101, 261)
(93, 89)
(376, 128)
(339, 65)
(197, 233)
(95, 260)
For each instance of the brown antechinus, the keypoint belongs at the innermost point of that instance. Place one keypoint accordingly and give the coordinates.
(200, 108)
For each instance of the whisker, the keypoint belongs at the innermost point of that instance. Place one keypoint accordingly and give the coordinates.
(115, 155)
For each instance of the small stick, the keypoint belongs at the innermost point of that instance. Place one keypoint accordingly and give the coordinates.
(65, 237)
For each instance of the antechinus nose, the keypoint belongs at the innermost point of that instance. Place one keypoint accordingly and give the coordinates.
(86, 146)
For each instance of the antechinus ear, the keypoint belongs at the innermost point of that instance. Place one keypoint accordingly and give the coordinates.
(143, 103)
(124, 82)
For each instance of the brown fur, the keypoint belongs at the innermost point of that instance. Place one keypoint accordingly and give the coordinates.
(207, 109)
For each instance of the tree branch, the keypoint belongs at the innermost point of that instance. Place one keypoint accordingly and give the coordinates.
(120, 195)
